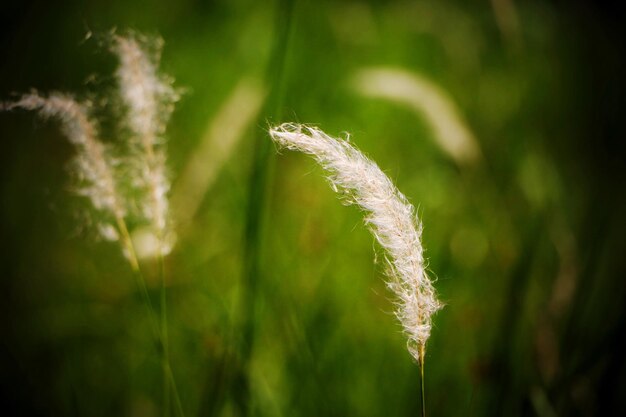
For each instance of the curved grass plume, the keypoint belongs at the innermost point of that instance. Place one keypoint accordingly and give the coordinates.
(390, 217)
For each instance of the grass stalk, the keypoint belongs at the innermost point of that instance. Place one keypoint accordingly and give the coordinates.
(165, 356)
(260, 175)
(169, 382)
(422, 381)
(160, 330)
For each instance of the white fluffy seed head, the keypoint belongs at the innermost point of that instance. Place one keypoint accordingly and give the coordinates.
(91, 164)
(149, 98)
(148, 94)
(390, 217)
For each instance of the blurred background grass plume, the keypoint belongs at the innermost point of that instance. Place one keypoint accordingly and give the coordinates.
(502, 121)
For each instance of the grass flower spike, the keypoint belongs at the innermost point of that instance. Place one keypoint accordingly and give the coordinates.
(149, 98)
(92, 165)
(390, 217)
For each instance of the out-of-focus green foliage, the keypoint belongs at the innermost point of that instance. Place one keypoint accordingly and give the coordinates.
(526, 240)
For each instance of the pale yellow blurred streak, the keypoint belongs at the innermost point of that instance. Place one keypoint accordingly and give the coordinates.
(426, 99)
(221, 136)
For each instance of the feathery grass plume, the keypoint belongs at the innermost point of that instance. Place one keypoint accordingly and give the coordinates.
(92, 164)
(149, 97)
(390, 217)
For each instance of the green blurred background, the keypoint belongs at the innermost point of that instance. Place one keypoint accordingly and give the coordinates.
(276, 298)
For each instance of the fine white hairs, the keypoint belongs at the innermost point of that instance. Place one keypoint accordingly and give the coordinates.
(92, 163)
(138, 177)
(390, 217)
(149, 97)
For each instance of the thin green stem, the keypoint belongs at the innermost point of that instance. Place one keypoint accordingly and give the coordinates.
(165, 354)
(159, 329)
(422, 381)
(139, 279)
(260, 178)
(127, 243)
(177, 403)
